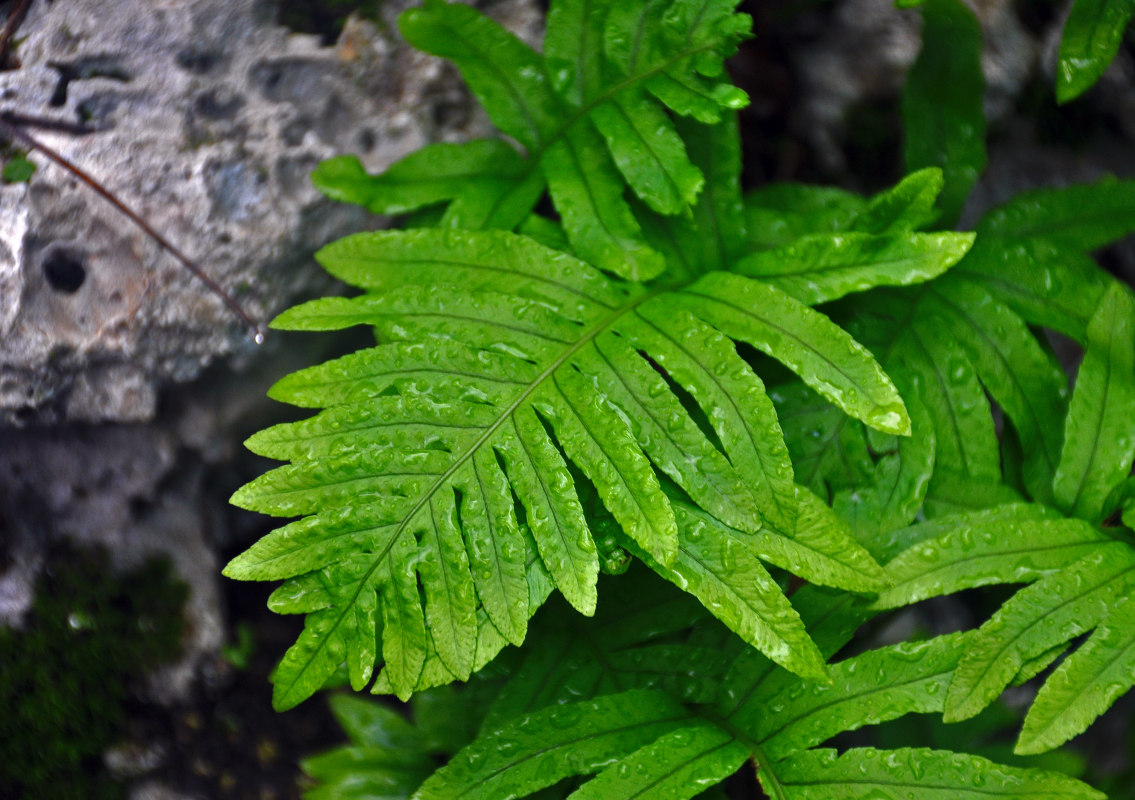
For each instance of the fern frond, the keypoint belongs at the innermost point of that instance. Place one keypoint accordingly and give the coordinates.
(510, 377)
(1099, 439)
(593, 707)
(1047, 613)
(1077, 570)
(590, 113)
(482, 391)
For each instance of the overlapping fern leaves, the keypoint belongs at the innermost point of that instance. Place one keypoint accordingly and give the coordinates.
(550, 399)
(655, 700)
(449, 460)
(959, 347)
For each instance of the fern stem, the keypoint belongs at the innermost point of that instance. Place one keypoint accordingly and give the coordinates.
(760, 758)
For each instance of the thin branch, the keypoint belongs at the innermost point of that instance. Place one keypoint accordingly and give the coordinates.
(9, 126)
(14, 19)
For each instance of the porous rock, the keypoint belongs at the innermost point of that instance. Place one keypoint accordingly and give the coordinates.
(209, 119)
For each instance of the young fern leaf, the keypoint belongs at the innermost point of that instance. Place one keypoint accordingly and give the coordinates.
(646, 727)
(590, 114)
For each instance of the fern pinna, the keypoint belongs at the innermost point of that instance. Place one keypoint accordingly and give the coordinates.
(958, 348)
(652, 698)
(509, 373)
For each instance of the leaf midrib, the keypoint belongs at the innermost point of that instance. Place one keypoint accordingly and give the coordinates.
(1022, 633)
(967, 317)
(505, 415)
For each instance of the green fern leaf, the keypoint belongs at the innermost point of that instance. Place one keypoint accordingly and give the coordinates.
(719, 220)
(942, 112)
(591, 111)
(539, 749)
(1051, 611)
(1079, 571)
(1020, 375)
(907, 206)
(442, 480)
(1083, 217)
(676, 765)
(828, 453)
(1032, 277)
(1099, 436)
(491, 376)
(997, 549)
(1091, 39)
(1084, 685)
(658, 741)
(779, 213)
(461, 174)
(1031, 251)
(824, 267)
(917, 774)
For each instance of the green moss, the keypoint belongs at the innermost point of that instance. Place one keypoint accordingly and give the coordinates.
(65, 678)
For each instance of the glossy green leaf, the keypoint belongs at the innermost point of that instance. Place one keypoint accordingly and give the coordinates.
(590, 112)
(1047, 283)
(1091, 39)
(823, 267)
(995, 550)
(829, 451)
(879, 685)
(894, 494)
(942, 102)
(820, 548)
(1082, 217)
(518, 100)
(672, 767)
(779, 213)
(1084, 685)
(1013, 367)
(1099, 436)
(719, 216)
(587, 193)
(537, 750)
(721, 567)
(907, 206)
(917, 774)
(826, 358)
(506, 370)
(1040, 616)
(648, 151)
(434, 174)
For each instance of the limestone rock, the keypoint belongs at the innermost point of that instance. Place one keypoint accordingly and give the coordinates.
(209, 119)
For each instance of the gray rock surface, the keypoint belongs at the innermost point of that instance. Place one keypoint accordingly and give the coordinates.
(209, 119)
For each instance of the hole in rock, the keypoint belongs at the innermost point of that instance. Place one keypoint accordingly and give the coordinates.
(64, 271)
(84, 69)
